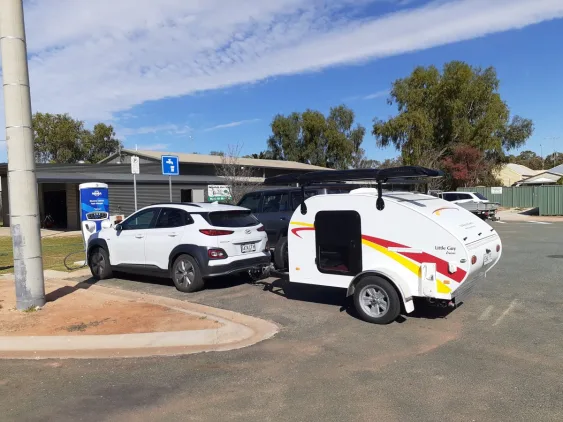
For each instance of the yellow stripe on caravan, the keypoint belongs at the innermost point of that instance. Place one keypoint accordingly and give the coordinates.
(405, 262)
(297, 223)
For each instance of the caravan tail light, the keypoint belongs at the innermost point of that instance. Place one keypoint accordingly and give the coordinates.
(212, 232)
(473, 260)
(498, 248)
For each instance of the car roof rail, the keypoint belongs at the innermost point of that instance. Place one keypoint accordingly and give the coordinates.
(190, 204)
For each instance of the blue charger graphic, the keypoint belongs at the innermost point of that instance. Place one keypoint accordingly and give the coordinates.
(94, 203)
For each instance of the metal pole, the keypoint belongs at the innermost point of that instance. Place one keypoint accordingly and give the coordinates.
(135, 189)
(22, 183)
(170, 186)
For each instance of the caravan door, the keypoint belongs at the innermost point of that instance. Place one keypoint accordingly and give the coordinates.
(338, 236)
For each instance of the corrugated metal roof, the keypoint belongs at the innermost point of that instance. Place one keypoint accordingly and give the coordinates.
(523, 170)
(215, 160)
(557, 169)
(543, 177)
(56, 177)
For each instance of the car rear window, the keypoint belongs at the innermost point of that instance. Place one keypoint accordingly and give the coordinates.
(478, 195)
(232, 219)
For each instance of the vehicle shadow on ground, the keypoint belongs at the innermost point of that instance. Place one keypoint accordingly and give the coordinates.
(337, 297)
(217, 283)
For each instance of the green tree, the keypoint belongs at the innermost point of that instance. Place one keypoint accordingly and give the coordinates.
(553, 160)
(440, 111)
(59, 138)
(529, 159)
(98, 143)
(332, 141)
(217, 153)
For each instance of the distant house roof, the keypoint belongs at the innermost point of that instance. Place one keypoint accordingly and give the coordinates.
(557, 169)
(523, 170)
(543, 178)
(216, 159)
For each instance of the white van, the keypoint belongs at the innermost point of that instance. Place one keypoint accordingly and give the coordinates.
(387, 249)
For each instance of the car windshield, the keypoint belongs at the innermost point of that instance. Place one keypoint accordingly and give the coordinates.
(478, 195)
(232, 219)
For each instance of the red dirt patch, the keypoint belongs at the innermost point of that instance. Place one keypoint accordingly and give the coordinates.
(76, 310)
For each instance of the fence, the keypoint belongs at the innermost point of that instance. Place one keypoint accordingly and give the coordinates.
(549, 199)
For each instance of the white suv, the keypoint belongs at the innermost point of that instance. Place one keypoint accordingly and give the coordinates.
(187, 242)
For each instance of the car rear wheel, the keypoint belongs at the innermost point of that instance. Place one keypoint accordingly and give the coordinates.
(376, 300)
(186, 274)
(98, 261)
(281, 255)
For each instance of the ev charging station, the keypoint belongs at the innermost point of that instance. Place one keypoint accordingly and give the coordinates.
(94, 208)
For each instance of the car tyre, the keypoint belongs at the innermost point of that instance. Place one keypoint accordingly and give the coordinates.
(376, 300)
(186, 274)
(98, 261)
(281, 255)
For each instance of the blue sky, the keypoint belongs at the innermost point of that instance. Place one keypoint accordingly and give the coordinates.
(167, 86)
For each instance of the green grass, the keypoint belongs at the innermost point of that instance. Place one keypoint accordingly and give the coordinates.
(54, 251)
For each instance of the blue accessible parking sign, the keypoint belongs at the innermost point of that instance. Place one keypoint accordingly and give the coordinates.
(170, 165)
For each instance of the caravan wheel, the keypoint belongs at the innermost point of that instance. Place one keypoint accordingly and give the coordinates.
(376, 300)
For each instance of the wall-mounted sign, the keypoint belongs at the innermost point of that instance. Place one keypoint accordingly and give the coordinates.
(496, 191)
(219, 193)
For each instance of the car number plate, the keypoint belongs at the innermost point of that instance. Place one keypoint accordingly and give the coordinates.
(487, 259)
(250, 247)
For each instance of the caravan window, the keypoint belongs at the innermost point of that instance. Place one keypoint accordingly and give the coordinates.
(339, 242)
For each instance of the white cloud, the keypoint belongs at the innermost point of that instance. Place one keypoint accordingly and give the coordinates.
(231, 124)
(93, 59)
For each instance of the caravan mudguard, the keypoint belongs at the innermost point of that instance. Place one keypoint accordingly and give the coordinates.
(401, 286)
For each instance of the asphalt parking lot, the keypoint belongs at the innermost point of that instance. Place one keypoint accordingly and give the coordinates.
(498, 357)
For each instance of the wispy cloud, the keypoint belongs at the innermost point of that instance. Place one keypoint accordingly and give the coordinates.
(97, 58)
(231, 124)
(373, 96)
(154, 147)
(170, 129)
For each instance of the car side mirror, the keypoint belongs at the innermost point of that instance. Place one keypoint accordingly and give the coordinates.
(118, 227)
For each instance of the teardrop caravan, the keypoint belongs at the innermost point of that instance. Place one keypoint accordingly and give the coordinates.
(387, 248)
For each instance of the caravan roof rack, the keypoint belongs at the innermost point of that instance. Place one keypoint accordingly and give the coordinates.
(403, 174)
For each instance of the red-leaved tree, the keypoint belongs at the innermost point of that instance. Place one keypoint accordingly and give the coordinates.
(467, 166)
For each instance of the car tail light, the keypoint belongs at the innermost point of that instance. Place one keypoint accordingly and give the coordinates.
(261, 229)
(498, 248)
(213, 232)
(216, 254)
(473, 260)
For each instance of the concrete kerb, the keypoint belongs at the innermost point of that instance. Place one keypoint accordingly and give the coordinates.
(237, 331)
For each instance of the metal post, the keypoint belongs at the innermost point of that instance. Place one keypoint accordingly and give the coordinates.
(22, 183)
(135, 189)
(170, 186)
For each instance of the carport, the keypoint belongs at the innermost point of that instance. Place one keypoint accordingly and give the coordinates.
(57, 189)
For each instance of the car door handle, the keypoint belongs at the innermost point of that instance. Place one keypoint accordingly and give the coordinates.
(139, 236)
(172, 234)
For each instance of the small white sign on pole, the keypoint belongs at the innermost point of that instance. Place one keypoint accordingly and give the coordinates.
(135, 170)
(135, 166)
(496, 190)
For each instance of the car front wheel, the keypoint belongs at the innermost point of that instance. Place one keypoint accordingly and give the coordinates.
(99, 264)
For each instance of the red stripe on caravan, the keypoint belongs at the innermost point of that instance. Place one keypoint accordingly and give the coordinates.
(441, 266)
(298, 229)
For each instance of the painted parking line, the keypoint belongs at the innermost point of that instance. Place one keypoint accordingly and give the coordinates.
(539, 222)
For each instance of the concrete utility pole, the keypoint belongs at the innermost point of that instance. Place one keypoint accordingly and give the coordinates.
(22, 183)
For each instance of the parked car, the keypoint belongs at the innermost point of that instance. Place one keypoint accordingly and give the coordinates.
(274, 207)
(186, 242)
(473, 202)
